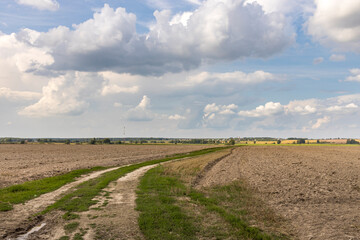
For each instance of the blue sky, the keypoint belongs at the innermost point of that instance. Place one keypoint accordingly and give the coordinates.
(215, 68)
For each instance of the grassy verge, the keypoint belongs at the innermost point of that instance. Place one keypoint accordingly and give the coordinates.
(23, 192)
(82, 198)
(171, 209)
(160, 217)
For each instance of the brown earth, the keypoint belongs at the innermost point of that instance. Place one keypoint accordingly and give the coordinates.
(316, 188)
(20, 163)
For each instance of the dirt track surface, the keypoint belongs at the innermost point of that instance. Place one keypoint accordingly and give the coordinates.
(20, 163)
(18, 217)
(316, 188)
(116, 220)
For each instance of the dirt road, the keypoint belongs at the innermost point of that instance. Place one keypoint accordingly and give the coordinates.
(17, 219)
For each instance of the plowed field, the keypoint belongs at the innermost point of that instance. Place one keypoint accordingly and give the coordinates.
(20, 163)
(316, 188)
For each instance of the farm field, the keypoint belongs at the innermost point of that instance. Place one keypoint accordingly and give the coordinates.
(20, 163)
(316, 188)
(247, 192)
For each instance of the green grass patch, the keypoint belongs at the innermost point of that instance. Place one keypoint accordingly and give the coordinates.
(160, 217)
(70, 216)
(4, 206)
(82, 198)
(64, 238)
(71, 227)
(23, 192)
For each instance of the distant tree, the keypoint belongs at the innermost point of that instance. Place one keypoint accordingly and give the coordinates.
(231, 141)
(351, 141)
(92, 141)
(118, 142)
(107, 141)
(255, 142)
(301, 141)
(318, 141)
(22, 142)
(278, 141)
(67, 141)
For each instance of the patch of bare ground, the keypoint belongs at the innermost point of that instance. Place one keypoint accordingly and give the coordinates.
(316, 188)
(19, 220)
(25, 162)
(113, 217)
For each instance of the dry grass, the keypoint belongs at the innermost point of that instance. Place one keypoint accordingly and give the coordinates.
(187, 169)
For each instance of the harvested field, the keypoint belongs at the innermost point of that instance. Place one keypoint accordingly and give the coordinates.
(20, 163)
(316, 188)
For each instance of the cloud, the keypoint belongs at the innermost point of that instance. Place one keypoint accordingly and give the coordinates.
(66, 95)
(196, 2)
(303, 107)
(283, 6)
(219, 84)
(18, 95)
(337, 108)
(176, 117)
(337, 58)
(318, 60)
(218, 116)
(141, 112)
(50, 5)
(18, 51)
(270, 108)
(232, 77)
(336, 24)
(355, 72)
(215, 31)
(117, 104)
(320, 122)
(115, 89)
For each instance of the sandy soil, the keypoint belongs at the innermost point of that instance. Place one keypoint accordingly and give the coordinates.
(316, 188)
(20, 163)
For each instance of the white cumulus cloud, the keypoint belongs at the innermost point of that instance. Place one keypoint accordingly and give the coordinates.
(355, 75)
(269, 109)
(176, 117)
(320, 122)
(336, 24)
(141, 112)
(66, 95)
(216, 31)
(51, 5)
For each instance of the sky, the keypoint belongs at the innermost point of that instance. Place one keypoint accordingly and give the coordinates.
(186, 68)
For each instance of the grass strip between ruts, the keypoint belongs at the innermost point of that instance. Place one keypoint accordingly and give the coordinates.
(21, 193)
(162, 218)
(82, 198)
